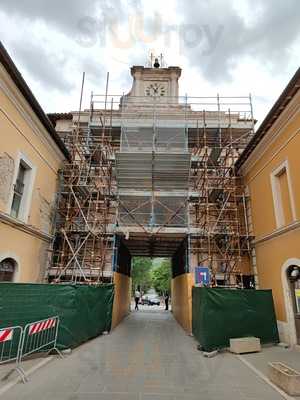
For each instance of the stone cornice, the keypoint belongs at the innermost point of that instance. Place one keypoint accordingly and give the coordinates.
(29, 229)
(281, 231)
(272, 135)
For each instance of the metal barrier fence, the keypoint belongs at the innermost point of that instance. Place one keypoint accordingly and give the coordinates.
(16, 343)
(10, 342)
(40, 335)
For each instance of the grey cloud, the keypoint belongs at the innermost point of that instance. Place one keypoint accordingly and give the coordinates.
(44, 66)
(63, 14)
(267, 39)
(94, 70)
(44, 62)
(67, 15)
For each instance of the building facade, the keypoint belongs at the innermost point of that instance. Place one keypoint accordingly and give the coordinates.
(152, 174)
(31, 154)
(270, 166)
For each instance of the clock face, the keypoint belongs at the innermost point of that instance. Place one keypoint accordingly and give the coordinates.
(155, 89)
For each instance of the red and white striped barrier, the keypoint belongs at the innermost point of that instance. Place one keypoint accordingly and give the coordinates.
(10, 347)
(17, 343)
(6, 334)
(37, 327)
(39, 336)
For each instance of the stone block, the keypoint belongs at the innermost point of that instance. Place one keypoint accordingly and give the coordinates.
(210, 354)
(245, 345)
(285, 377)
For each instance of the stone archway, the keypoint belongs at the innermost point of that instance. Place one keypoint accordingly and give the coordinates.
(291, 333)
(8, 269)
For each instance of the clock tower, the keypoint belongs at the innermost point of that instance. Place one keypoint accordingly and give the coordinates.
(155, 82)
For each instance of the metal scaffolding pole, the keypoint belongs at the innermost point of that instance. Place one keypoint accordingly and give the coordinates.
(82, 242)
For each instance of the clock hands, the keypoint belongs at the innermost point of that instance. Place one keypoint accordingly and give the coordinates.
(155, 89)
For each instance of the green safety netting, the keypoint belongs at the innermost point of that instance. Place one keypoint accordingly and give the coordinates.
(84, 311)
(221, 314)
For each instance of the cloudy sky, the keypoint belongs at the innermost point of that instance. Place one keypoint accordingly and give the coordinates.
(230, 47)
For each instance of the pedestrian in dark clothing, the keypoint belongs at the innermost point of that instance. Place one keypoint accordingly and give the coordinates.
(137, 296)
(167, 301)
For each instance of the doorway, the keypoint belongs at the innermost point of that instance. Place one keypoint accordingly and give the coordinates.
(293, 278)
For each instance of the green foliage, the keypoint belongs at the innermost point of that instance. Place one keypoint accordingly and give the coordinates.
(141, 273)
(147, 274)
(161, 277)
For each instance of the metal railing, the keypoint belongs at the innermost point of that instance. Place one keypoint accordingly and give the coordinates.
(10, 342)
(40, 335)
(17, 343)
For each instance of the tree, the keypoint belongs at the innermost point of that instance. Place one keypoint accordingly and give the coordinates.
(141, 273)
(161, 277)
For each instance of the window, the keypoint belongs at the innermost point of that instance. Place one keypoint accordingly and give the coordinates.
(7, 270)
(282, 196)
(18, 192)
(285, 197)
(22, 190)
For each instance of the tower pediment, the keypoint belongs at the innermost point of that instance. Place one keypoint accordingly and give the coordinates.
(155, 82)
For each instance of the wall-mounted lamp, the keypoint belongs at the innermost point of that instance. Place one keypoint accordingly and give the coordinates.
(294, 274)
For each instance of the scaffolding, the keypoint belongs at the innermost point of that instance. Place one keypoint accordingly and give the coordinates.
(82, 244)
(152, 165)
(156, 175)
(221, 240)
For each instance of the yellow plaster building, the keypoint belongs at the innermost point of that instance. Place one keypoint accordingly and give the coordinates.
(270, 166)
(30, 155)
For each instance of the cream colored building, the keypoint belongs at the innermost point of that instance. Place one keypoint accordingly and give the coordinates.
(30, 155)
(270, 166)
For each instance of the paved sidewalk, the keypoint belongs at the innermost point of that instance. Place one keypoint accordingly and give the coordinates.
(9, 374)
(260, 361)
(148, 357)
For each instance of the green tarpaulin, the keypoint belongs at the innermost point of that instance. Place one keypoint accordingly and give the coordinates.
(221, 314)
(84, 311)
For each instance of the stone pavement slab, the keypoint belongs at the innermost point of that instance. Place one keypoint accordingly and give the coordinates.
(147, 357)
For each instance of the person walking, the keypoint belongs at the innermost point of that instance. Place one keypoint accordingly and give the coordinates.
(167, 301)
(137, 296)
